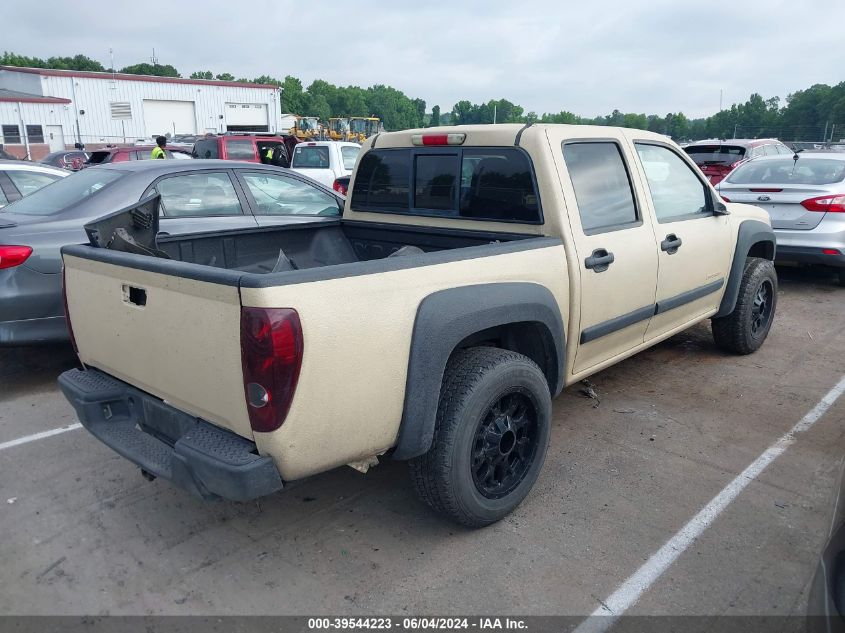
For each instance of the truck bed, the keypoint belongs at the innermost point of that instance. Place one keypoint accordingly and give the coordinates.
(308, 246)
(171, 327)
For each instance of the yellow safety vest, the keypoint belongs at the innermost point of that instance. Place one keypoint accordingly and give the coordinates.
(269, 153)
(157, 153)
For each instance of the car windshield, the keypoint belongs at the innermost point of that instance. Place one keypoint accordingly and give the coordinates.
(715, 154)
(65, 192)
(786, 171)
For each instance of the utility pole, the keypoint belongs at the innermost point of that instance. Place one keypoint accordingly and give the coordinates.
(720, 99)
(494, 114)
(824, 137)
(735, 126)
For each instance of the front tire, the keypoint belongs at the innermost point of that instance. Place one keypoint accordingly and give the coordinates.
(745, 329)
(490, 436)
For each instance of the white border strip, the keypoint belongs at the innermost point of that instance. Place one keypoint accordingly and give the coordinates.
(630, 591)
(39, 436)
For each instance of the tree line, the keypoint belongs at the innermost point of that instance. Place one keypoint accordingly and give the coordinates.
(815, 113)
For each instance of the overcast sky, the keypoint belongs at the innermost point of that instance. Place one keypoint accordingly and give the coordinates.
(589, 57)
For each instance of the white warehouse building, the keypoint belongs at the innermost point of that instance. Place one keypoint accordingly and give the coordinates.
(44, 110)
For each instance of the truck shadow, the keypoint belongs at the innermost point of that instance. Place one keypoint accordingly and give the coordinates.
(33, 369)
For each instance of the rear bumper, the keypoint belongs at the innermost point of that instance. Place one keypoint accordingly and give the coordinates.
(808, 255)
(206, 460)
(33, 331)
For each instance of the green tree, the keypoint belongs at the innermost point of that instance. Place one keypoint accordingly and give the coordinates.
(293, 99)
(435, 116)
(225, 77)
(201, 74)
(156, 70)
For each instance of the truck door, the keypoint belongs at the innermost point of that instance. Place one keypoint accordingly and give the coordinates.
(614, 242)
(694, 244)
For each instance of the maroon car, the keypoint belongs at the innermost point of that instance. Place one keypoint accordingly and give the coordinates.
(135, 152)
(719, 158)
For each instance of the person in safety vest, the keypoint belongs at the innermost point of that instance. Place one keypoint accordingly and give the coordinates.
(158, 150)
(268, 155)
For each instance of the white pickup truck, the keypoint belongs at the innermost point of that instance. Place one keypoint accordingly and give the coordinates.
(325, 161)
(474, 273)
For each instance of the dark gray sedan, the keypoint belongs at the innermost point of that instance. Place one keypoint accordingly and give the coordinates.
(196, 196)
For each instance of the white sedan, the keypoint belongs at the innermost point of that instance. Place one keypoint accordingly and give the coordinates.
(20, 178)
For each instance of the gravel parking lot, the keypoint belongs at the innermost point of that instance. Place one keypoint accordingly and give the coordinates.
(84, 533)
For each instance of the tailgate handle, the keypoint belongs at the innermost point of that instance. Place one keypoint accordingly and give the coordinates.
(135, 296)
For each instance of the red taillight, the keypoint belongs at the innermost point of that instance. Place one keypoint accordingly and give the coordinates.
(826, 204)
(726, 199)
(271, 357)
(11, 256)
(438, 139)
(340, 187)
(830, 251)
(67, 312)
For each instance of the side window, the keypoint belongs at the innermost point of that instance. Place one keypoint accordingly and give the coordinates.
(602, 185)
(237, 148)
(198, 195)
(349, 153)
(675, 189)
(278, 195)
(783, 149)
(29, 181)
(3, 199)
(770, 150)
(382, 181)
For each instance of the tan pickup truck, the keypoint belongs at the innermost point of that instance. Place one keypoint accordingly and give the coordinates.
(474, 273)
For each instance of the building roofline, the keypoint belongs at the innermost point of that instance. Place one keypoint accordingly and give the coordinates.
(51, 72)
(34, 100)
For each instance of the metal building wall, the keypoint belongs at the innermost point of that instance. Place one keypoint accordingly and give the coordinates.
(94, 96)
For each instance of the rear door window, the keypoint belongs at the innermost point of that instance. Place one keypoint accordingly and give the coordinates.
(602, 186)
(495, 184)
(239, 148)
(203, 194)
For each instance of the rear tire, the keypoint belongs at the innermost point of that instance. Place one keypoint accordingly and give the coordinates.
(490, 436)
(745, 329)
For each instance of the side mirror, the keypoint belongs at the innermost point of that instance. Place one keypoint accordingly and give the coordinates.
(719, 207)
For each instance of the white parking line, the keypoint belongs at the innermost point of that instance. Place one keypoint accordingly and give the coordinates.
(39, 436)
(630, 591)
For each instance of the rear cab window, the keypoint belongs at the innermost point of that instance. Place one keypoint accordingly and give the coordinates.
(480, 183)
(240, 148)
(313, 157)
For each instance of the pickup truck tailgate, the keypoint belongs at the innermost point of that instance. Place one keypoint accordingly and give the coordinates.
(176, 337)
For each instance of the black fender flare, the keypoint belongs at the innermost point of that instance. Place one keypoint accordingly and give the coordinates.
(750, 232)
(446, 318)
